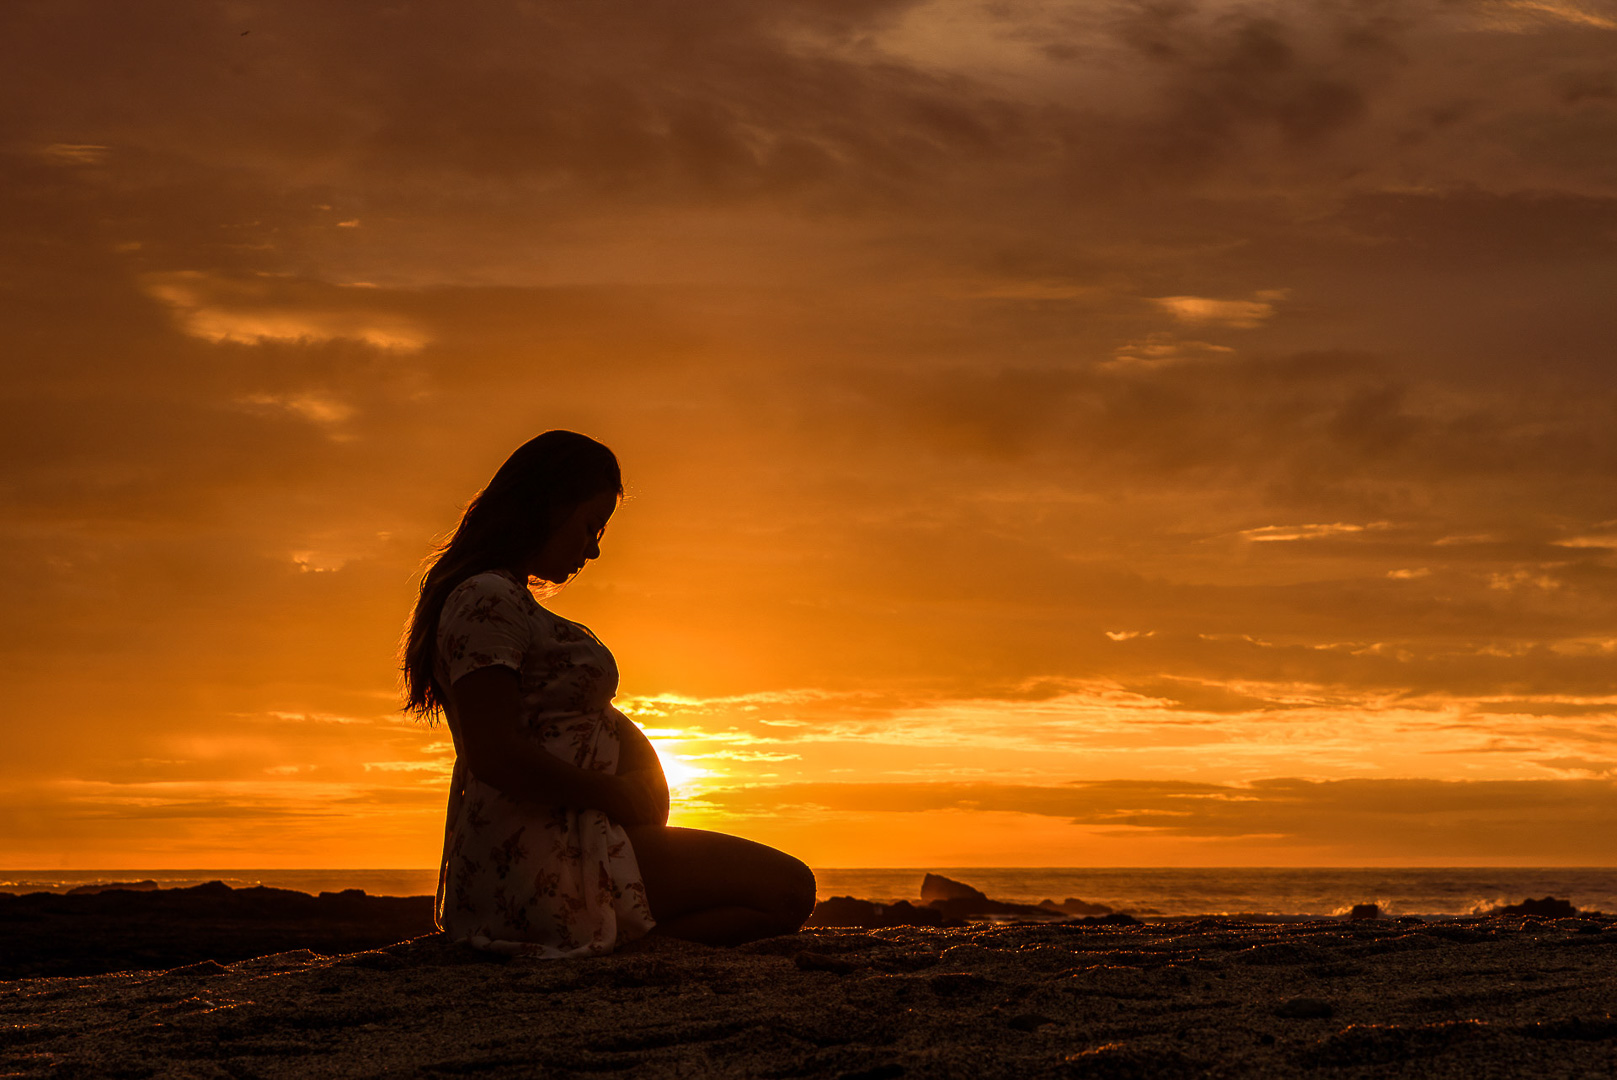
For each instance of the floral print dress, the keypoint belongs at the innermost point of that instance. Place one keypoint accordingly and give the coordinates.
(515, 877)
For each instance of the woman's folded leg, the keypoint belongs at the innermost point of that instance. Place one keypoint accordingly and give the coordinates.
(720, 889)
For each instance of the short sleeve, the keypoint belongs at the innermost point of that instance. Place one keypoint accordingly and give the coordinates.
(485, 622)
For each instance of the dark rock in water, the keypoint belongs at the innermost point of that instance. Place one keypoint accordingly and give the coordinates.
(1547, 908)
(844, 911)
(45, 934)
(1305, 1008)
(945, 903)
(965, 908)
(937, 887)
(126, 886)
(347, 901)
(1361, 912)
(850, 911)
(1074, 906)
(1116, 918)
(957, 900)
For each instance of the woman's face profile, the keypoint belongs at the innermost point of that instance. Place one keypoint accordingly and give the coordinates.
(575, 541)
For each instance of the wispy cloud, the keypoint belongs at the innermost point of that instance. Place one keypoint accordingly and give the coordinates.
(74, 153)
(253, 312)
(1235, 314)
(1528, 12)
(1267, 533)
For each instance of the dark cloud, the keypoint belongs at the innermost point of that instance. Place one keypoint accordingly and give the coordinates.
(1474, 228)
(1246, 71)
(633, 101)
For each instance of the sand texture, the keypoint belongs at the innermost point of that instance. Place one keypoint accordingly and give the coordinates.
(1499, 997)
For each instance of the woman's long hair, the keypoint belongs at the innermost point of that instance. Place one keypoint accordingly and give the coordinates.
(533, 492)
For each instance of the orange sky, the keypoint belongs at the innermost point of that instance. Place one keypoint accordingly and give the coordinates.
(1056, 434)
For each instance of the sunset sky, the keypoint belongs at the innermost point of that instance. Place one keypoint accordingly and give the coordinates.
(1056, 433)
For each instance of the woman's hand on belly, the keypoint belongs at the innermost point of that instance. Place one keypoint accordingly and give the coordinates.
(488, 707)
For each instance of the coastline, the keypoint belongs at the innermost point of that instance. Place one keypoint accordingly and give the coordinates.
(138, 925)
(1504, 995)
(1318, 891)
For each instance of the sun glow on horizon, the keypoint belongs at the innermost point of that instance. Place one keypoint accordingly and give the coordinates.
(679, 771)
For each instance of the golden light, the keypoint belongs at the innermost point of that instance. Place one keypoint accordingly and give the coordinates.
(678, 771)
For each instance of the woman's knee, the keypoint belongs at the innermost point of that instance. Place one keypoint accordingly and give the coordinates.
(795, 892)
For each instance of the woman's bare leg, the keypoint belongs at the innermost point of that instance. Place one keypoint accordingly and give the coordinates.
(719, 889)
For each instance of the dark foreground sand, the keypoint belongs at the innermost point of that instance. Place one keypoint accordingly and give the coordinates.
(1500, 997)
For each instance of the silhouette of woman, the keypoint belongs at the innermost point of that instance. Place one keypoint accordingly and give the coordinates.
(556, 841)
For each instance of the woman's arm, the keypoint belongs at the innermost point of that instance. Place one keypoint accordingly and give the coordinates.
(488, 706)
(637, 757)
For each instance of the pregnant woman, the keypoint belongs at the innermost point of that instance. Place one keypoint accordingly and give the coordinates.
(557, 841)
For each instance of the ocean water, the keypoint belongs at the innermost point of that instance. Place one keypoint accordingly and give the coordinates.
(1446, 891)
(1314, 891)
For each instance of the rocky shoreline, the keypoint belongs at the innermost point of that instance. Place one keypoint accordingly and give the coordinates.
(136, 925)
(130, 926)
(949, 903)
(1496, 996)
(1525, 994)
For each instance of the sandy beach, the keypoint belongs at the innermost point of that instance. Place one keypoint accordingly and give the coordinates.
(1501, 996)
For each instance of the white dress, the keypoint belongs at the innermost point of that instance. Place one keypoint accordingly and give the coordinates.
(515, 877)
